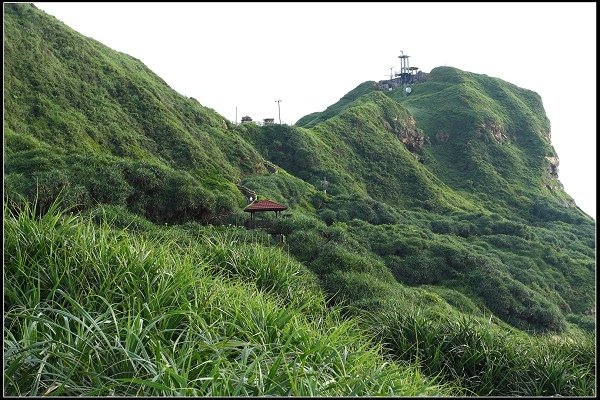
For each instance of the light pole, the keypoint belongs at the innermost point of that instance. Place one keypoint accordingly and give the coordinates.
(279, 109)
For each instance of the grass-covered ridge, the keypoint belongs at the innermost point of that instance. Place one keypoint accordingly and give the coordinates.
(430, 228)
(95, 311)
(510, 246)
(343, 103)
(488, 138)
(75, 107)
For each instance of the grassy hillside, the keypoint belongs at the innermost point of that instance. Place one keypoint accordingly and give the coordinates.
(358, 153)
(490, 138)
(426, 236)
(93, 309)
(102, 124)
(312, 119)
(504, 240)
(96, 311)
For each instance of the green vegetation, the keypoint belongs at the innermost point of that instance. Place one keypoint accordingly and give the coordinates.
(492, 361)
(103, 126)
(429, 248)
(488, 138)
(334, 109)
(94, 311)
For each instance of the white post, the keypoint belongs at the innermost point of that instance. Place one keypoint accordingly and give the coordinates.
(279, 109)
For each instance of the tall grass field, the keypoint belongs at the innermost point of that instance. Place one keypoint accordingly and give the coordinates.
(95, 311)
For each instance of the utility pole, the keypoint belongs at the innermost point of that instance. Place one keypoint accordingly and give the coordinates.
(279, 109)
(391, 73)
(236, 115)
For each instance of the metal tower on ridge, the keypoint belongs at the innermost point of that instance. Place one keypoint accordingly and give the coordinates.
(406, 72)
(403, 77)
(404, 67)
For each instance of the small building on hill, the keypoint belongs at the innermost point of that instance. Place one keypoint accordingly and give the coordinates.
(269, 121)
(263, 206)
(259, 206)
(246, 118)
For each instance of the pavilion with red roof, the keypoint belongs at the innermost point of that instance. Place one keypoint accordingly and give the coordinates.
(264, 205)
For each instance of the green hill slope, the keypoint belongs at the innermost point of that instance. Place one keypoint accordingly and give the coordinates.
(463, 161)
(312, 119)
(359, 152)
(434, 221)
(80, 108)
(490, 138)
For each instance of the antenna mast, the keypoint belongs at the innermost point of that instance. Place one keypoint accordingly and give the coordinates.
(279, 109)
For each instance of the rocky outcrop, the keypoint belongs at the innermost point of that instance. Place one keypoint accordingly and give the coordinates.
(591, 312)
(493, 130)
(406, 130)
(270, 167)
(412, 139)
(553, 166)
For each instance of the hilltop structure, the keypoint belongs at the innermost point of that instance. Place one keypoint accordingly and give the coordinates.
(407, 75)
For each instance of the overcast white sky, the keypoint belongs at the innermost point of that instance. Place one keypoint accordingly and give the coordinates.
(247, 55)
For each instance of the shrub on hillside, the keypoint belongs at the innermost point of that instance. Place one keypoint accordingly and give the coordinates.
(420, 269)
(120, 217)
(512, 300)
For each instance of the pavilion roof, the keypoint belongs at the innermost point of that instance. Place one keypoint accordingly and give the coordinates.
(264, 205)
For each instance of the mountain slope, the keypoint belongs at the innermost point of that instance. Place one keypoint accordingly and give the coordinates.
(437, 218)
(99, 127)
(490, 138)
(70, 97)
(470, 156)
